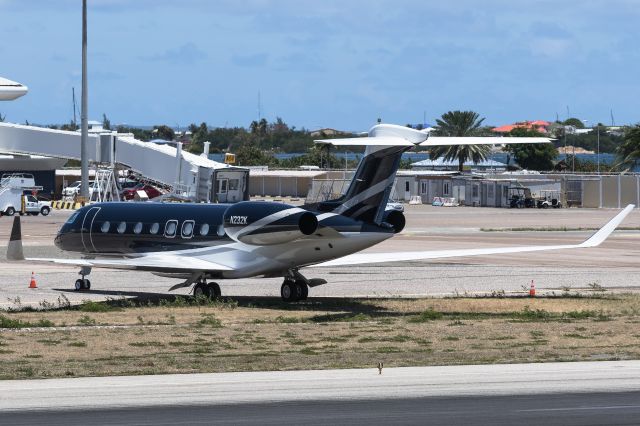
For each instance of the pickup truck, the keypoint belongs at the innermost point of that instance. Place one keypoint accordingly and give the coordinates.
(11, 202)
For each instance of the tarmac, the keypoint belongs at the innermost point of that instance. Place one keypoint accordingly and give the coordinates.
(550, 394)
(613, 265)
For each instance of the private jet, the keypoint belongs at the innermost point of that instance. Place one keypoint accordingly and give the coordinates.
(204, 243)
(10, 90)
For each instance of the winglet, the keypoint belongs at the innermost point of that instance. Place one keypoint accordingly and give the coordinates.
(604, 232)
(14, 249)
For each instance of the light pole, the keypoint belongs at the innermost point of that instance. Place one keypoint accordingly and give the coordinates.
(598, 150)
(84, 132)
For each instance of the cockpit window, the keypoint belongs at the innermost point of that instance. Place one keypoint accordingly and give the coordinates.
(73, 217)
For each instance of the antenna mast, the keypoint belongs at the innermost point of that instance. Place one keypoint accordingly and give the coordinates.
(73, 99)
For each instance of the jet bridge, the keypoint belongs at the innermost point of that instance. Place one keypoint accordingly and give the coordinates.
(190, 175)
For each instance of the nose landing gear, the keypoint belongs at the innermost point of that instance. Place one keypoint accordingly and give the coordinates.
(83, 283)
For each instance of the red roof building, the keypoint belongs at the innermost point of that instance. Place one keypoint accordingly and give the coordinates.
(538, 125)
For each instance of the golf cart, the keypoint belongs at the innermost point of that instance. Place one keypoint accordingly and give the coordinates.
(520, 197)
(549, 198)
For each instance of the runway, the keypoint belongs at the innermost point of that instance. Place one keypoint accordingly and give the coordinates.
(550, 410)
(550, 394)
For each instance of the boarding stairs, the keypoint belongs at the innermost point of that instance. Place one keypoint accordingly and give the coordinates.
(105, 187)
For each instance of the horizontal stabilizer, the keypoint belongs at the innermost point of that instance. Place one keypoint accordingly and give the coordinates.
(480, 140)
(364, 258)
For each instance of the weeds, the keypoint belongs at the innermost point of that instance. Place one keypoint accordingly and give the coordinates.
(86, 320)
(91, 306)
(426, 316)
(210, 320)
(6, 322)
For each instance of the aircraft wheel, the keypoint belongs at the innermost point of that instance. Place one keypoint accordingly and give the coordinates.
(79, 284)
(214, 290)
(200, 290)
(86, 284)
(288, 291)
(302, 290)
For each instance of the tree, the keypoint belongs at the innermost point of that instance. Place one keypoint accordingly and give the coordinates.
(460, 123)
(628, 153)
(106, 123)
(575, 122)
(251, 155)
(165, 132)
(532, 156)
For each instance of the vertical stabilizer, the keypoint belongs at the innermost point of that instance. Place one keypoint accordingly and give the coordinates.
(368, 193)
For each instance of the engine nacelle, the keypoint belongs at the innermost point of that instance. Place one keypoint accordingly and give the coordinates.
(396, 219)
(260, 223)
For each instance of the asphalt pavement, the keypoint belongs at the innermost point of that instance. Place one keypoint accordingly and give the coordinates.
(585, 393)
(549, 410)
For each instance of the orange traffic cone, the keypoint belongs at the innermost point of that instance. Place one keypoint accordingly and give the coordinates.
(33, 284)
(532, 290)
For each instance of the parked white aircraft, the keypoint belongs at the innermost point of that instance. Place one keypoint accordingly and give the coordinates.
(10, 90)
(197, 242)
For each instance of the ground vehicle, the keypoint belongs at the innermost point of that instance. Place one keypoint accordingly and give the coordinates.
(129, 193)
(549, 198)
(74, 189)
(12, 199)
(520, 197)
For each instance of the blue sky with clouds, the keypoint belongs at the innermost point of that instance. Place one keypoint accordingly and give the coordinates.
(330, 63)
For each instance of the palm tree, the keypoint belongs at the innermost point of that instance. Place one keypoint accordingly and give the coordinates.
(629, 152)
(460, 123)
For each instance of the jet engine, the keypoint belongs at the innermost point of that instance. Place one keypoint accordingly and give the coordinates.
(394, 218)
(260, 223)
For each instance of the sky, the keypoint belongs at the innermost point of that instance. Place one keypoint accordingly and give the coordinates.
(331, 63)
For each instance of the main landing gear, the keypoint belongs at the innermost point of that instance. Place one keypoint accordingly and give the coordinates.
(296, 287)
(83, 283)
(294, 290)
(204, 289)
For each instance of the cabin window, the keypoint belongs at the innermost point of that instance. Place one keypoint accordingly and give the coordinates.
(204, 229)
(138, 228)
(105, 227)
(122, 226)
(406, 186)
(170, 228)
(220, 231)
(445, 188)
(154, 228)
(233, 184)
(187, 229)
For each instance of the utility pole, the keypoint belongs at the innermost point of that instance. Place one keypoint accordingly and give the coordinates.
(598, 149)
(84, 135)
(73, 99)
